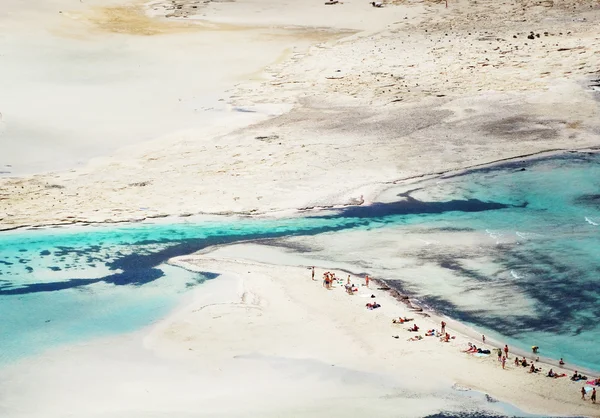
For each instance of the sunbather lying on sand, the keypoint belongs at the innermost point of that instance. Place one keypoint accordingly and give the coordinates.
(373, 305)
(472, 349)
(415, 338)
(593, 382)
(401, 320)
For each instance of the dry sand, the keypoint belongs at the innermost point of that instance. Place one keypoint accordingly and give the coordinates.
(265, 340)
(342, 102)
(439, 90)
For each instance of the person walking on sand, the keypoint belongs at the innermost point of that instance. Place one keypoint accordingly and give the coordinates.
(583, 393)
(348, 281)
(506, 350)
(594, 395)
(313, 273)
(483, 338)
(443, 327)
(503, 362)
(367, 281)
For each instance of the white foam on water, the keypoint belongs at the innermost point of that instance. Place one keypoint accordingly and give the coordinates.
(527, 235)
(495, 235)
(515, 275)
(591, 221)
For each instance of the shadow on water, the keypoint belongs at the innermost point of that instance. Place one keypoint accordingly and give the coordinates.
(559, 300)
(140, 267)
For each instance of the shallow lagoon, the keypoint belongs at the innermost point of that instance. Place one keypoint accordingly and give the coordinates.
(63, 285)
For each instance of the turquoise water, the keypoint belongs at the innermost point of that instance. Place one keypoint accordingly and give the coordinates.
(64, 285)
(548, 252)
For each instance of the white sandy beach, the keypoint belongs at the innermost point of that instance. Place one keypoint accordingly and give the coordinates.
(422, 89)
(123, 111)
(265, 340)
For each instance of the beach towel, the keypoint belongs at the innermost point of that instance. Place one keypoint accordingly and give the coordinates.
(588, 388)
(480, 355)
(591, 382)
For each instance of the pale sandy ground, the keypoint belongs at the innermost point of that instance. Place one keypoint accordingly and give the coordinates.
(439, 90)
(264, 340)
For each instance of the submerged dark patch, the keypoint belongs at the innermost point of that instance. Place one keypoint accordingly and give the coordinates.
(139, 267)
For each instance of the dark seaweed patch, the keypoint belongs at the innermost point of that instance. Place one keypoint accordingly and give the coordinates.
(139, 267)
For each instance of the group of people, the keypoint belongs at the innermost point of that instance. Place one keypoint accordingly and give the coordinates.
(532, 369)
(577, 377)
(592, 396)
(329, 278)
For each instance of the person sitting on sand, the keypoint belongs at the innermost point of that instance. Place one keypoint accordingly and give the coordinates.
(561, 362)
(517, 361)
(524, 362)
(551, 373)
(533, 369)
(414, 328)
(349, 289)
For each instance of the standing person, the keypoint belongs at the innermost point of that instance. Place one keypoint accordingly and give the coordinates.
(583, 393)
(443, 327)
(594, 395)
(506, 350)
(499, 354)
(367, 281)
(348, 281)
(483, 338)
(313, 272)
(503, 361)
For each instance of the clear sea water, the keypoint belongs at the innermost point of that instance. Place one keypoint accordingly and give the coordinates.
(65, 285)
